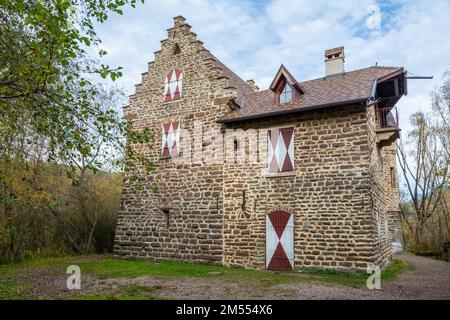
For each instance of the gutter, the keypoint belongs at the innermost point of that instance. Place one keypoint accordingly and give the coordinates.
(293, 111)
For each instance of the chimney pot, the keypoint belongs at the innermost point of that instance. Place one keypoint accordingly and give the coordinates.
(334, 61)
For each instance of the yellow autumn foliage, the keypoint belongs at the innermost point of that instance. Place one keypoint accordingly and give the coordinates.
(44, 210)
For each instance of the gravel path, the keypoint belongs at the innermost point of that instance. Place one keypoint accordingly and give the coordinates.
(429, 279)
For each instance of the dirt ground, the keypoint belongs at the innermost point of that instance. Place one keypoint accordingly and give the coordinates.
(429, 279)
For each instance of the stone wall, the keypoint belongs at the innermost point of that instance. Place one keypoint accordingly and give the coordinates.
(330, 191)
(184, 219)
(389, 156)
(216, 212)
(378, 192)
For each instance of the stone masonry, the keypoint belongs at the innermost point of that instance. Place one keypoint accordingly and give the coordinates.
(343, 193)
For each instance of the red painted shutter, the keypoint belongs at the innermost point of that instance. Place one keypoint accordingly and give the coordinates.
(288, 140)
(176, 139)
(279, 241)
(173, 86)
(281, 150)
(167, 87)
(272, 145)
(164, 145)
(170, 139)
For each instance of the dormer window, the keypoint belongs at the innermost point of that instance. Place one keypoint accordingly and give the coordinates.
(286, 94)
(286, 89)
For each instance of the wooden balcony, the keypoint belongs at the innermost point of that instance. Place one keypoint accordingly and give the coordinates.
(388, 129)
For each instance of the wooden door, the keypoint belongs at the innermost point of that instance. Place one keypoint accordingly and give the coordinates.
(279, 240)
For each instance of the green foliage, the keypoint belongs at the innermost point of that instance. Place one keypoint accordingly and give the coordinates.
(424, 162)
(11, 290)
(53, 216)
(47, 88)
(127, 292)
(105, 267)
(394, 268)
(114, 268)
(52, 111)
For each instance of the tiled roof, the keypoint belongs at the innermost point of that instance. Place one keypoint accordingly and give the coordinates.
(354, 86)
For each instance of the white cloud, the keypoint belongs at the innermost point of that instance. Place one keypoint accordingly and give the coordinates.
(254, 38)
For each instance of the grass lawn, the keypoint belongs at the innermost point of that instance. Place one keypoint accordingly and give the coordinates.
(15, 284)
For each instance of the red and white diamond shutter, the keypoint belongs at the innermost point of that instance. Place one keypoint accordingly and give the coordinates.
(279, 241)
(170, 139)
(280, 150)
(173, 86)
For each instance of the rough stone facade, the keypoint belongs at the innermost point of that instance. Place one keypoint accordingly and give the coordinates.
(340, 193)
(193, 193)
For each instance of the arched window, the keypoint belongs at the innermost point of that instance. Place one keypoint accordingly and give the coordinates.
(173, 86)
(286, 94)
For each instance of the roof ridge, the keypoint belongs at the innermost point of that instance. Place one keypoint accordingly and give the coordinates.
(352, 88)
(354, 71)
(349, 72)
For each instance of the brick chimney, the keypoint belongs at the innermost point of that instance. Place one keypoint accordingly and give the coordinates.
(334, 61)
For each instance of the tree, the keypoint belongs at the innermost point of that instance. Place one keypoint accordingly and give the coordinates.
(46, 75)
(424, 163)
(51, 111)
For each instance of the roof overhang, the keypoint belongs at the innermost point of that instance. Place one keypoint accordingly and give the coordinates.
(388, 89)
(294, 111)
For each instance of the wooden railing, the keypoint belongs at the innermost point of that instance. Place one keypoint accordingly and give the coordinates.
(388, 118)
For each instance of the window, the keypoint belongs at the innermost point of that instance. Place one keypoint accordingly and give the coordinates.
(173, 86)
(286, 94)
(235, 145)
(392, 177)
(170, 139)
(280, 150)
(176, 50)
(166, 218)
(378, 219)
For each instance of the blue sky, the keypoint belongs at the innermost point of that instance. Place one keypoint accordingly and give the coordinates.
(254, 37)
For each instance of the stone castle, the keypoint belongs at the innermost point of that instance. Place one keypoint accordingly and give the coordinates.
(320, 192)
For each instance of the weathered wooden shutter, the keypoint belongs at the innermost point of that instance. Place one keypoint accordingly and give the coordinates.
(173, 86)
(170, 139)
(280, 150)
(279, 241)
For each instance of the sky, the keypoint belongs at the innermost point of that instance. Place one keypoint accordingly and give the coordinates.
(254, 38)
